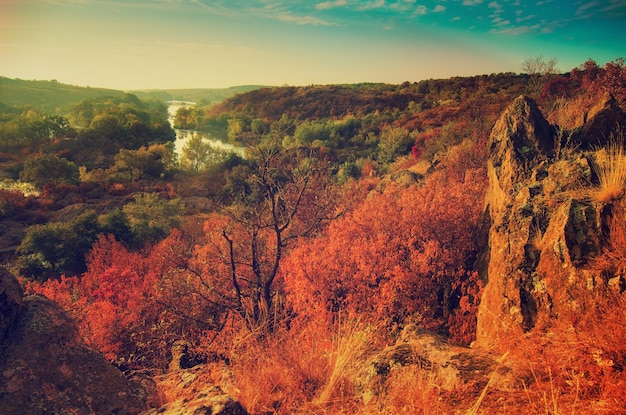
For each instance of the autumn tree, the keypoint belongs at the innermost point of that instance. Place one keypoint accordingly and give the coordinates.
(284, 195)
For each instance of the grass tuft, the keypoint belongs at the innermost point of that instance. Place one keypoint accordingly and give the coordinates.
(610, 166)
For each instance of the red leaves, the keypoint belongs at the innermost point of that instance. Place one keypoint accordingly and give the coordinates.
(400, 253)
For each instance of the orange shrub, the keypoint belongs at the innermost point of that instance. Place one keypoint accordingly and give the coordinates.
(401, 253)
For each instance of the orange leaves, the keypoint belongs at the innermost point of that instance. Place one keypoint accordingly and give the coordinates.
(400, 253)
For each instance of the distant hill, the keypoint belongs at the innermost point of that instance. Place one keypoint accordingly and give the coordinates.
(203, 96)
(48, 96)
(55, 97)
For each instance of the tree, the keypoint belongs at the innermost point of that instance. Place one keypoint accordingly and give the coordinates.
(539, 66)
(394, 141)
(285, 196)
(198, 154)
(55, 249)
(152, 218)
(146, 162)
(49, 168)
(540, 71)
(403, 253)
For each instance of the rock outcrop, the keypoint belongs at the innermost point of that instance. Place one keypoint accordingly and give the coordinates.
(452, 366)
(46, 369)
(195, 391)
(10, 302)
(543, 225)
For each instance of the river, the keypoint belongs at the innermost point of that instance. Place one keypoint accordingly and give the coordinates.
(182, 136)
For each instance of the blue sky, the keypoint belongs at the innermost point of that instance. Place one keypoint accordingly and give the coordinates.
(203, 43)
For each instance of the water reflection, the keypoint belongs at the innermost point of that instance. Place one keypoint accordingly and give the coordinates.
(182, 136)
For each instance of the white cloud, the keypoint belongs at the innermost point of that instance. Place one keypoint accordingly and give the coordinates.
(420, 10)
(517, 30)
(301, 20)
(584, 7)
(525, 18)
(439, 8)
(330, 4)
(471, 2)
(376, 4)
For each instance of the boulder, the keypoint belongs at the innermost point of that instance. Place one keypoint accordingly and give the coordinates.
(452, 366)
(519, 141)
(603, 121)
(46, 368)
(10, 301)
(195, 391)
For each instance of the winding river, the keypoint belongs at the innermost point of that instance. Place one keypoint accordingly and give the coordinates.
(182, 136)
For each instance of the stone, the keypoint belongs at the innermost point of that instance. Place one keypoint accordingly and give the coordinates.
(194, 391)
(46, 368)
(543, 229)
(452, 366)
(10, 301)
(603, 121)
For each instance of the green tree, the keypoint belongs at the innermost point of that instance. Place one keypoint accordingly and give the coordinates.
(49, 168)
(117, 224)
(394, 141)
(55, 249)
(152, 218)
(146, 162)
(195, 154)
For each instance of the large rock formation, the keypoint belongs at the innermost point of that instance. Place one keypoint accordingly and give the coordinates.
(46, 369)
(544, 226)
(10, 302)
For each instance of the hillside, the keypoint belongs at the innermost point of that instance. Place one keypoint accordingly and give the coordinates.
(449, 246)
(49, 96)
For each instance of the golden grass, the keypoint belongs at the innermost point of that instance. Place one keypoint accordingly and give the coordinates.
(610, 167)
(352, 341)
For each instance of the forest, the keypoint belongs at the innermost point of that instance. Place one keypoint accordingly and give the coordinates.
(356, 214)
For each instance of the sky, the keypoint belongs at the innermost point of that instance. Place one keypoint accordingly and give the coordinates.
(166, 44)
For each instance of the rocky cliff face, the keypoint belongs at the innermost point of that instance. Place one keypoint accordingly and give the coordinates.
(45, 368)
(544, 223)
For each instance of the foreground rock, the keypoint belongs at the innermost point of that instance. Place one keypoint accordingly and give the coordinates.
(451, 366)
(10, 302)
(46, 369)
(193, 391)
(544, 226)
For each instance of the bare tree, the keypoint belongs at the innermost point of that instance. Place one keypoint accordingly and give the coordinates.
(539, 66)
(281, 196)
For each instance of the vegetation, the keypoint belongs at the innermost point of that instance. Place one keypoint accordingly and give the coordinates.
(48, 96)
(204, 96)
(356, 213)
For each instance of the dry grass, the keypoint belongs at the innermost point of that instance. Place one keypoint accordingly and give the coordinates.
(610, 167)
(351, 342)
(409, 390)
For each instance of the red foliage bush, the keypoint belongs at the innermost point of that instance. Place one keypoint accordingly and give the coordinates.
(400, 254)
(11, 201)
(126, 303)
